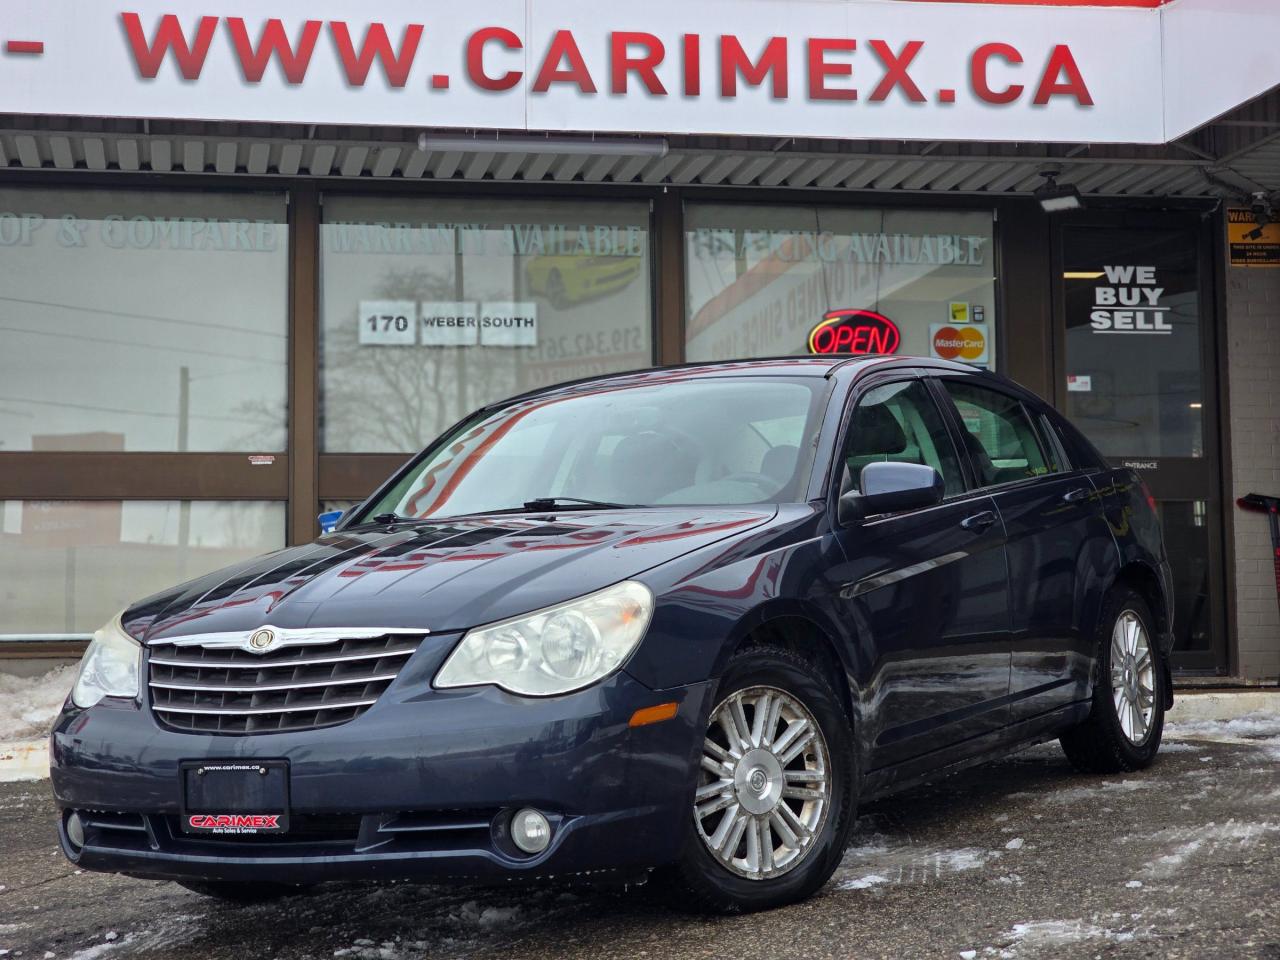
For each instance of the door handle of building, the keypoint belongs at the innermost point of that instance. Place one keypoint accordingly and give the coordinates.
(1076, 495)
(979, 521)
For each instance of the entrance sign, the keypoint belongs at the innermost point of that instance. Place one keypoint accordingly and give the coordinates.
(859, 68)
(856, 332)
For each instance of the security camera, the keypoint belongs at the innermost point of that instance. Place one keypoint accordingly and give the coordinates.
(1262, 214)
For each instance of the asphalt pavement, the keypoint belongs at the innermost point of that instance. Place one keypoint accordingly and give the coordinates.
(1022, 858)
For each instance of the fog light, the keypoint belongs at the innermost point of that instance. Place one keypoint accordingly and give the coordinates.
(75, 830)
(530, 830)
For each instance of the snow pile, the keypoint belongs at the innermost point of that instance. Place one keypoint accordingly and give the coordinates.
(28, 705)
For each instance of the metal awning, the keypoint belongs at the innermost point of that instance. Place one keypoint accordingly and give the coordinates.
(1237, 155)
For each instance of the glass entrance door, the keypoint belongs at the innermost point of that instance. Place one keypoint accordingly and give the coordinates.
(1136, 374)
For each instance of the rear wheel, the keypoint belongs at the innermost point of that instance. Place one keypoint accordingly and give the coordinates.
(775, 792)
(1124, 727)
(248, 892)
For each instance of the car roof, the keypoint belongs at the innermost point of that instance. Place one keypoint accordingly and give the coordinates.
(794, 366)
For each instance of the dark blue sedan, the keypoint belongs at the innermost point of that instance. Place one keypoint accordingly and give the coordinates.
(684, 619)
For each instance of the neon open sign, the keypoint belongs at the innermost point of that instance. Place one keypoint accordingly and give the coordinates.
(854, 331)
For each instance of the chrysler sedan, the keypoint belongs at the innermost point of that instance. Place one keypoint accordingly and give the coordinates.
(680, 620)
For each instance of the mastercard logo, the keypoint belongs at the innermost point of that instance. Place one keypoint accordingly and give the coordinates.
(959, 343)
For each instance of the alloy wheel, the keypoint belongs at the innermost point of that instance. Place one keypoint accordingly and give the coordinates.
(1132, 677)
(764, 786)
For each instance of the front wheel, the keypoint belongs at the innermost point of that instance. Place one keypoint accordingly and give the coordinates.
(775, 790)
(1126, 722)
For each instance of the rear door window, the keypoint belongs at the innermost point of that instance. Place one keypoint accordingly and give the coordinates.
(1000, 437)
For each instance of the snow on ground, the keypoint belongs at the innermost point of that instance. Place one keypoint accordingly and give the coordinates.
(1099, 791)
(28, 706)
(22, 760)
(1261, 730)
(1205, 841)
(1054, 938)
(878, 860)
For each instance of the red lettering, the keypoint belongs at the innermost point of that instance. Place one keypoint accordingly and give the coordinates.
(978, 73)
(475, 58)
(734, 60)
(239, 821)
(564, 47)
(820, 69)
(622, 63)
(1060, 62)
(895, 70)
(692, 65)
(376, 45)
(274, 42)
(169, 36)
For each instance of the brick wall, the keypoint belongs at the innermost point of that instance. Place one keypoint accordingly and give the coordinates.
(1253, 384)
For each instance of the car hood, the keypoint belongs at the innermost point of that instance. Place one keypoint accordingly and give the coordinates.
(439, 576)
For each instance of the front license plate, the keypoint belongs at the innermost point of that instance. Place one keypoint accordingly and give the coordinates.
(235, 797)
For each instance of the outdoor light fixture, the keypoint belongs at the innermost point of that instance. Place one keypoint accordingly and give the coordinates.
(591, 146)
(1055, 198)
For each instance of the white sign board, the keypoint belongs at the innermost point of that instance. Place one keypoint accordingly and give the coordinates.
(852, 69)
(450, 323)
(506, 323)
(388, 322)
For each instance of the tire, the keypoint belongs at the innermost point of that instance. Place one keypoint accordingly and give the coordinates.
(788, 872)
(1104, 743)
(232, 892)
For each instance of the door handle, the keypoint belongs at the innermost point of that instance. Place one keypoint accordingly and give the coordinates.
(979, 521)
(1076, 495)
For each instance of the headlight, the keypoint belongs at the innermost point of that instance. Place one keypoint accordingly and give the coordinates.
(556, 650)
(109, 667)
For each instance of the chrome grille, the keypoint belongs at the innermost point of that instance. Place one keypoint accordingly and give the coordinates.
(214, 684)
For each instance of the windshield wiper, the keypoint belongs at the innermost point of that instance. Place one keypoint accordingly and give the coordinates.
(390, 518)
(540, 504)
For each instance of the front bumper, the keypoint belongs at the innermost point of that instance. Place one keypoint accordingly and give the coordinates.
(420, 786)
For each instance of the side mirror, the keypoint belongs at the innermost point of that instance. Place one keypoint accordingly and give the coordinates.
(890, 487)
(329, 520)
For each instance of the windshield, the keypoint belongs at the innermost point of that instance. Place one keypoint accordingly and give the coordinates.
(695, 442)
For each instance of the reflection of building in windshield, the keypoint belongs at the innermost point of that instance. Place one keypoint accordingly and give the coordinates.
(656, 438)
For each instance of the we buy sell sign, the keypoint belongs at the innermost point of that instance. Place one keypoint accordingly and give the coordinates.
(822, 68)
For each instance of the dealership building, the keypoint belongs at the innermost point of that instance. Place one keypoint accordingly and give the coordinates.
(251, 257)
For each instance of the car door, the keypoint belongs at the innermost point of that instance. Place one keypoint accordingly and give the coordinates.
(925, 591)
(1056, 540)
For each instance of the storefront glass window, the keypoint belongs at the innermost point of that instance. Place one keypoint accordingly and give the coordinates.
(66, 566)
(759, 278)
(148, 321)
(432, 307)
